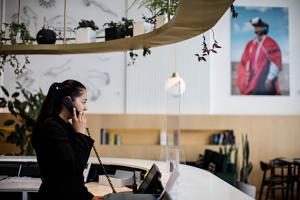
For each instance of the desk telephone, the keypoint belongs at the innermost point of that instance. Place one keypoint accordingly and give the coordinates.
(150, 186)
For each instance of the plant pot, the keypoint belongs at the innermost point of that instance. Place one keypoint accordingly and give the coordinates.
(160, 21)
(113, 33)
(128, 33)
(46, 36)
(138, 28)
(85, 35)
(247, 189)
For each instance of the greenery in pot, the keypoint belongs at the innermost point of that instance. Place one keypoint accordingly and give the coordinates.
(127, 26)
(246, 164)
(87, 23)
(15, 30)
(25, 109)
(116, 30)
(159, 7)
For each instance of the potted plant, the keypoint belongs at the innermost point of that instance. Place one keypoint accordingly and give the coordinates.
(46, 35)
(117, 30)
(127, 27)
(17, 34)
(246, 169)
(161, 10)
(86, 31)
(26, 112)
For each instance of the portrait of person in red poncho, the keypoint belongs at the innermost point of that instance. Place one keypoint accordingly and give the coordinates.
(261, 63)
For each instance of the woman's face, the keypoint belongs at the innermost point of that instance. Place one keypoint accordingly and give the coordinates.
(81, 102)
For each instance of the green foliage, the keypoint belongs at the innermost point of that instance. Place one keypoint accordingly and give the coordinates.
(125, 25)
(15, 30)
(26, 112)
(161, 6)
(246, 164)
(87, 23)
(228, 150)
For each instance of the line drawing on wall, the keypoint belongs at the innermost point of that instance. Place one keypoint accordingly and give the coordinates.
(61, 69)
(100, 5)
(29, 17)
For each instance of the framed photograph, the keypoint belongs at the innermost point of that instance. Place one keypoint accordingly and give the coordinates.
(260, 51)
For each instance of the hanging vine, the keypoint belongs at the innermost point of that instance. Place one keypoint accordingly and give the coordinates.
(18, 34)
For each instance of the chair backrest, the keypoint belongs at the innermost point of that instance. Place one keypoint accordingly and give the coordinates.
(264, 166)
(218, 160)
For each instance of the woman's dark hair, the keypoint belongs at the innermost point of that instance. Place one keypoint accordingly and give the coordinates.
(52, 104)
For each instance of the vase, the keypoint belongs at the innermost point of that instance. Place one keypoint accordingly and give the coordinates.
(46, 36)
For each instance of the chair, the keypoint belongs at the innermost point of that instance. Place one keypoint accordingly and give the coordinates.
(297, 176)
(276, 176)
(217, 164)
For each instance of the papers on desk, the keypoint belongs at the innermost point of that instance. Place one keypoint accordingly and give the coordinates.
(120, 179)
(2, 177)
(22, 179)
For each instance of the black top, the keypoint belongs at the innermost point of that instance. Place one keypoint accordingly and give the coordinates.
(62, 155)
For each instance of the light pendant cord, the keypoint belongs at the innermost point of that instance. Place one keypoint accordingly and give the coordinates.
(101, 164)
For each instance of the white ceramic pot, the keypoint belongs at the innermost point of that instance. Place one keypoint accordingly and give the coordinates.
(247, 188)
(85, 35)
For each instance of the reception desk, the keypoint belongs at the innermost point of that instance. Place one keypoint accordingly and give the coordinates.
(192, 183)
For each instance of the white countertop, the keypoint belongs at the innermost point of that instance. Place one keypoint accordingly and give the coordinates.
(192, 183)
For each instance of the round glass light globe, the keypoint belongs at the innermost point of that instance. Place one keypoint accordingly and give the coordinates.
(175, 85)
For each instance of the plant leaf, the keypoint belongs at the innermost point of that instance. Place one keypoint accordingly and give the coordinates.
(15, 95)
(5, 91)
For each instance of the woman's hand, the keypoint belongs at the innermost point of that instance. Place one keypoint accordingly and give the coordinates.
(79, 121)
(97, 198)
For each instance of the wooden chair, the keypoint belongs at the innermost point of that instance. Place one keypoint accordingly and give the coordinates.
(275, 177)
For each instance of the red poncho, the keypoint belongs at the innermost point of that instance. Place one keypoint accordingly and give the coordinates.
(254, 60)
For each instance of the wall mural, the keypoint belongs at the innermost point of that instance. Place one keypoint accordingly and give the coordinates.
(101, 6)
(57, 70)
(47, 3)
(29, 17)
(94, 70)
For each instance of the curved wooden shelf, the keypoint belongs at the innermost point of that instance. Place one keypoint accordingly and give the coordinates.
(192, 18)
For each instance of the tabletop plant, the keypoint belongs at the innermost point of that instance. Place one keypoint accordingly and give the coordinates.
(87, 24)
(159, 7)
(121, 29)
(24, 106)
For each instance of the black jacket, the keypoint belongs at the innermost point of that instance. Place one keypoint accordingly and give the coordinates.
(62, 155)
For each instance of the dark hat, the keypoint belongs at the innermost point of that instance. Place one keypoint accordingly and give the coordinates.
(256, 21)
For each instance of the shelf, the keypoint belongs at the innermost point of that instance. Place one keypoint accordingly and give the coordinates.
(192, 18)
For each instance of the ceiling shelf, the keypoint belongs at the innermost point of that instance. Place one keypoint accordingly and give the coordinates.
(192, 18)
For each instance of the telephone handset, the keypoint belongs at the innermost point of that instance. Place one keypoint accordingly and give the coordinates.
(69, 105)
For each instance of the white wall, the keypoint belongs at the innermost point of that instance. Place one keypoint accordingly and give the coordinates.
(222, 102)
(115, 87)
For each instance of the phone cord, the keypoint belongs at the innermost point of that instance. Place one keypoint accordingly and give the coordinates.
(104, 170)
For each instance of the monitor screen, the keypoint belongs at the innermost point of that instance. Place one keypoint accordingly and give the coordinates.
(151, 184)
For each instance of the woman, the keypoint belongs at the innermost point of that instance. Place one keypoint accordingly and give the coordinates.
(61, 147)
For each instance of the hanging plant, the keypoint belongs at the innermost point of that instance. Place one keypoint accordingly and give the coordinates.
(234, 14)
(205, 50)
(18, 34)
(133, 56)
